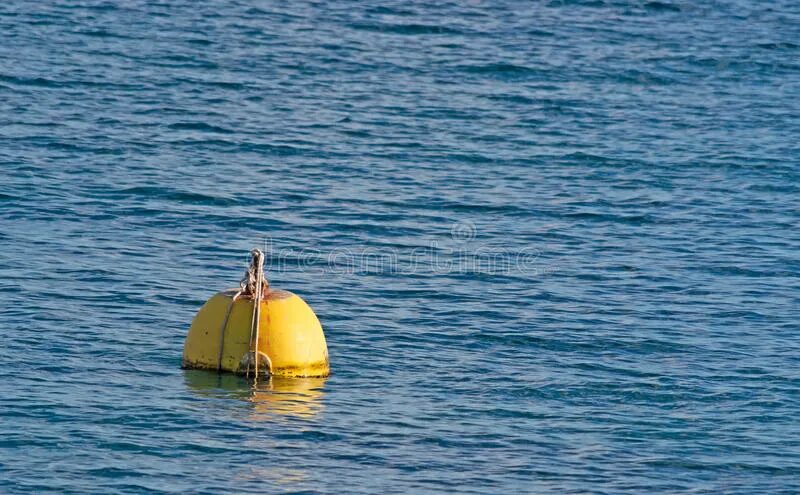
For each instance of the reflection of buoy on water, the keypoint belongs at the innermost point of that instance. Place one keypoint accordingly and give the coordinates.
(271, 398)
(257, 330)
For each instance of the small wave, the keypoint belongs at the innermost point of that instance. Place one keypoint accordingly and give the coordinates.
(662, 7)
(234, 146)
(607, 217)
(524, 100)
(101, 7)
(407, 29)
(500, 69)
(578, 3)
(273, 149)
(184, 61)
(382, 9)
(778, 46)
(236, 86)
(199, 126)
(43, 82)
(102, 33)
(642, 77)
(179, 196)
(541, 33)
(39, 82)
(200, 41)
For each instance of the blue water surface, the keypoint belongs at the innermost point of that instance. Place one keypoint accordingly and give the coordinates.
(555, 246)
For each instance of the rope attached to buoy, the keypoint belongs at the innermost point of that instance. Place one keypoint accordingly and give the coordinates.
(225, 327)
(253, 284)
(256, 274)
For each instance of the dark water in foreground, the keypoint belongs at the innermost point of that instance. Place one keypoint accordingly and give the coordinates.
(554, 245)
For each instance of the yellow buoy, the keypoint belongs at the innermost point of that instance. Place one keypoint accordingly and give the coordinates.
(258, 330)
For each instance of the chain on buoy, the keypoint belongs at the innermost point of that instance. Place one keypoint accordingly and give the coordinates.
(256, 329)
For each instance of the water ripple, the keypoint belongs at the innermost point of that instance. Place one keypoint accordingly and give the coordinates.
(553, 244)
